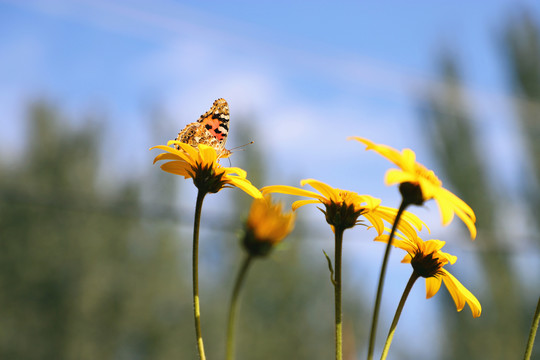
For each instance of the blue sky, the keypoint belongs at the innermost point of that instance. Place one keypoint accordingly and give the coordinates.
(302, 70)
(307, 76)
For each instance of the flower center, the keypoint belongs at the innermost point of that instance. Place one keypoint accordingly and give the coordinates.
(254, 245)
(426, 265)
(412, 193)
(207, 179)
(344, 214)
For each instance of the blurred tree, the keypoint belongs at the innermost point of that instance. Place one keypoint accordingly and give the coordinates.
(521, 50)
(501, 331)
(79, 278)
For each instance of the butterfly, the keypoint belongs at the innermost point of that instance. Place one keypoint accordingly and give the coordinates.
(211, 129)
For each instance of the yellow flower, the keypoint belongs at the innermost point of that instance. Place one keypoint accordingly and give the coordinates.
(428, 261)
(202, 166)
(342, 207)
(414, 176)
(267, 225)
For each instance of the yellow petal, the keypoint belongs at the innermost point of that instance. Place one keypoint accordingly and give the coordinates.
(386, 151)
(245, 185)
(396, 176)
(300, 203)
(173, 151)
(188, 149)
(446, 210)
(459, 207)
(370, 201)
(458, 203)
(290, 190)
(433, 284)
(207, 153)
(408, 160)
(414, 220)
(166, 156)
(236, 170)
(401, 244)
(178, 167)
(375, 221)
(433, 245)
(407, 259)
(461, 295)
(389, 214)
(326, 190)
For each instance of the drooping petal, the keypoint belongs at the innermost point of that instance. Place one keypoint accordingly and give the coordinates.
(461, 209)
(461, 295)
(468, 222)
(245, 185)
(375, 221)
(446, 210)
(458, 203)
(433, 284)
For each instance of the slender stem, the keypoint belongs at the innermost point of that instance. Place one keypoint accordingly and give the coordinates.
(337, 292)
(390, 336)
(232, 309)
(532, 334)
(380, 287)
(196, 305)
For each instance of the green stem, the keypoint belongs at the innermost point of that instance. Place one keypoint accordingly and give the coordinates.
(196, 305)
(380, 287)
(390, 336)
(232, 309)
(337, 292)
(532, 334)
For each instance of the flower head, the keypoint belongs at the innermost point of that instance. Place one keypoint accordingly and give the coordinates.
(418, 184)
(343, 207)
(201, 164)
(267, 225)
(428, 261)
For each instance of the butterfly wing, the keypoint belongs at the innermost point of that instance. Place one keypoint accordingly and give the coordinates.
(211, 129)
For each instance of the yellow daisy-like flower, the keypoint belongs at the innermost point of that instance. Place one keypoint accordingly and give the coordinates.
(342, 207)
(266, 226)
(428, 261)
(201, 164)
(419, 184)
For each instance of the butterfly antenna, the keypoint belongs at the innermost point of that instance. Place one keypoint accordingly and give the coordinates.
(241, 146)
